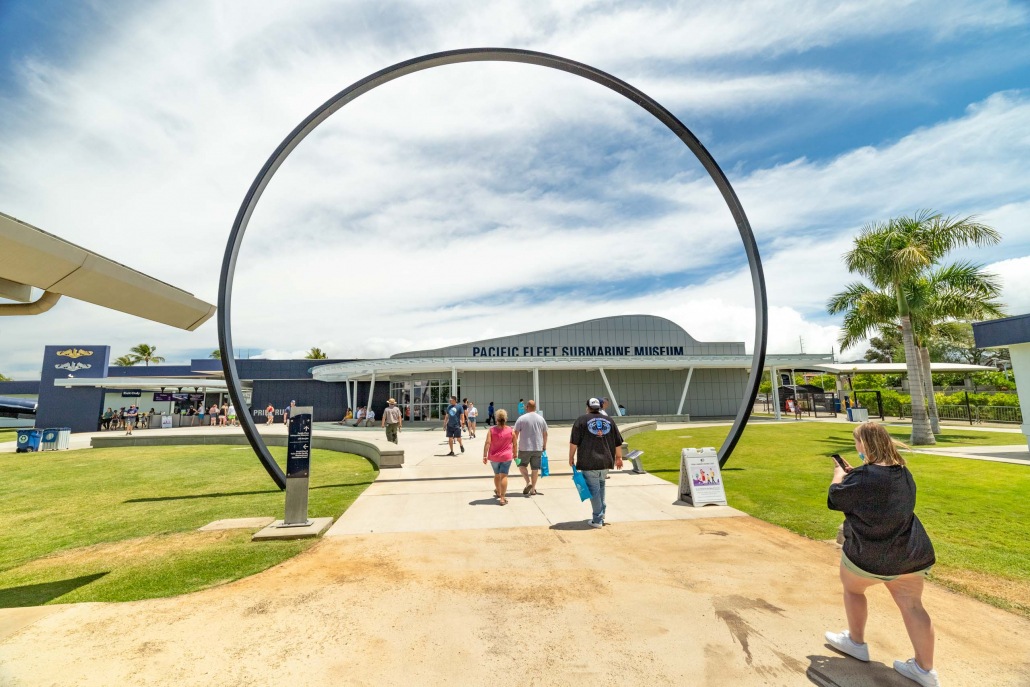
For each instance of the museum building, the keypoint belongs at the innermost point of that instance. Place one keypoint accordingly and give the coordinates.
(648, 365)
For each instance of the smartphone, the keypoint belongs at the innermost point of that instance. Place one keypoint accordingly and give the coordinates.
(839, 461)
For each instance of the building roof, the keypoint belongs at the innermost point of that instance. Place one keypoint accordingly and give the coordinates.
(893, 368)
(1007, 331)
(34, 258)
(384, 368)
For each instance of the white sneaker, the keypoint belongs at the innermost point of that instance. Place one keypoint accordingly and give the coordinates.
(596, 525)
(841, 641)
(911, 670)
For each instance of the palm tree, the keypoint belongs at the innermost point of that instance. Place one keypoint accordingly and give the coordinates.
(939, 300)
(4, 378)
(125, 361)
(216, 354)
(893, 255)
(316, 354)
(145, 353)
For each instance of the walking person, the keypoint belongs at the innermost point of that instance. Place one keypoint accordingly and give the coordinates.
(108, 414)
(224, 417)
(531, 438)
(453, 421)
(287, 411)
(595, 447)
(604, 406)
(500, 447)
(392, 420)
(214, 414)
(130, 419)
(884, 542)
(490, 419)
(269, 414)
(470, 418)
(232, 415)
(522, 407)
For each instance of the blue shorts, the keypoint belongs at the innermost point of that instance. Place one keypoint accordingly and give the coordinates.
(500, 468)
(453, 432)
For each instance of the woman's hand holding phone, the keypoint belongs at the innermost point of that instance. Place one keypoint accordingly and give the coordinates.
(841, 463)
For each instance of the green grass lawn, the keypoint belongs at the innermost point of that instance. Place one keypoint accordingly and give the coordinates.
(975, 511)
(120, 524)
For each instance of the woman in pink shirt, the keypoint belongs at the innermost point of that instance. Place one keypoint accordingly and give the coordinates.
(501, 446)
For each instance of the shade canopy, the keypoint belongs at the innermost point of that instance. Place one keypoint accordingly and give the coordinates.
(32, 257)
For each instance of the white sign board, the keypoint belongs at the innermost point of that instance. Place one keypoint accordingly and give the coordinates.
(700, 477)
(166, 422)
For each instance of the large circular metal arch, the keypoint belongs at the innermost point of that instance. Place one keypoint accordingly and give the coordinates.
(440, 59)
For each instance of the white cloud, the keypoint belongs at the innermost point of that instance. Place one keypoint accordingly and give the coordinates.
(514, 188)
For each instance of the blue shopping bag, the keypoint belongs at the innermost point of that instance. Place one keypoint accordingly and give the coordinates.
(545, 470)
(581, 484)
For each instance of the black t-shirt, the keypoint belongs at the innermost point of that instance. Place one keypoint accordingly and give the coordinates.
(596, 437)
(882, 534)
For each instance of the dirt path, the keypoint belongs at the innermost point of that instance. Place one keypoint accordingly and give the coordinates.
(731, 601)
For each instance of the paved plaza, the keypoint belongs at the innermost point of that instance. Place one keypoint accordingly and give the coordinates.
(426, 581)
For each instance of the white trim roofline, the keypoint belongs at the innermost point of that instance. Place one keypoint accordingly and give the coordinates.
(383, 368)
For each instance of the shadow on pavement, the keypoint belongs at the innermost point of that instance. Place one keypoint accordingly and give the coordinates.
(574, 525)
(840, 671)
(39, 594)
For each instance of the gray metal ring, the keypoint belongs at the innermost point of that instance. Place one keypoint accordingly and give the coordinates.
(440, 59)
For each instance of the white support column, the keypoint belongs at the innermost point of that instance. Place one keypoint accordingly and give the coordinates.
(774, 377)
(611, 395)
(536, 387)
(683, 398)
(350, 405)
(371, 391)
(355, 406)
(1020, 354)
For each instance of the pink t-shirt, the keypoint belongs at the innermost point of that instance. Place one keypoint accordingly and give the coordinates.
(500, 444)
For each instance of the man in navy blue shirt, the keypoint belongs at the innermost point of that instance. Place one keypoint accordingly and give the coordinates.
(454, 420)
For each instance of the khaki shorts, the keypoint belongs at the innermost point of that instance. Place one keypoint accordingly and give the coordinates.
(530, 459)
(851, 567)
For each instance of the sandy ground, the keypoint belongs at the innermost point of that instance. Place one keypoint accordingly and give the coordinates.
(731, 601)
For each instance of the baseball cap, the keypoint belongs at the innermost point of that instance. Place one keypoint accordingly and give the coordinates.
(593, 403)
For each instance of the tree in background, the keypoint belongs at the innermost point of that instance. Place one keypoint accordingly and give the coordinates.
(145, 353)
(887, 347)
(316, 354)
(894, 256)
(125, 361)
(4, 378)
(216, 354)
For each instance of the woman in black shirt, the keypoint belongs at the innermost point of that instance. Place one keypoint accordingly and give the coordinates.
(883, 542)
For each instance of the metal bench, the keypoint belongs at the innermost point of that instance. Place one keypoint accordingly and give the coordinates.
(634, 457)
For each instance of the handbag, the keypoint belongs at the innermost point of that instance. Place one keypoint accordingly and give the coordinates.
(545, 470)
(581, 484)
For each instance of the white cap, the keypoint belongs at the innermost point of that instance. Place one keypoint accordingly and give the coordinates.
(593, 403)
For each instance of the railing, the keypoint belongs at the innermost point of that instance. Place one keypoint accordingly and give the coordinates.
(973, 414)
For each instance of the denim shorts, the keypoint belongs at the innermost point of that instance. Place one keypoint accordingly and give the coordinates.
(500, 467)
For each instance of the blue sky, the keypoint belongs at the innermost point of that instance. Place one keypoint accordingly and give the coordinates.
(485, 199)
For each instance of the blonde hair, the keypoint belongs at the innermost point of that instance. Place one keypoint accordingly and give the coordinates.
(880, 448)
(501, 417)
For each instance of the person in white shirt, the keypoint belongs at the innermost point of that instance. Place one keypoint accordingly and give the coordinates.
(470, 419)
(370, 416)
(359, 416)
(531, 437)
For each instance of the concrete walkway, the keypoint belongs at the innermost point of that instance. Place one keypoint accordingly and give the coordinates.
(436, 492)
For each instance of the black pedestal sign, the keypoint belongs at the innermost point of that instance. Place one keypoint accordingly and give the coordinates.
(298, 467)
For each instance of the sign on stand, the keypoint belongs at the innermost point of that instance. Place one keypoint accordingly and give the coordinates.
(701, 478)
(298, 467)
(166, 422)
